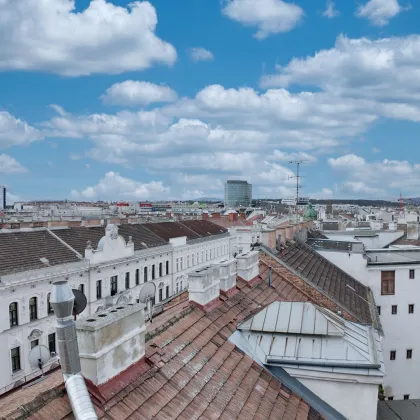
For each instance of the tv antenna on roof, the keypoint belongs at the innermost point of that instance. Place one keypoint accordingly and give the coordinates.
(147, 296)
(80, 302)
(298, 185)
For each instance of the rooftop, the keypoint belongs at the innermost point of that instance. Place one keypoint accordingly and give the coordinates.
(399, 410)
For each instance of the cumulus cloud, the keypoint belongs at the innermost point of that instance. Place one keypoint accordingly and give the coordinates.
(323, 194)
(330, 12)
(15, 132)
(383, 70)
(269, 16)
(113, 186)
(379, 12)
(132, 93)
(200, 54)
(374, 178)
(292, 156)
(9, 165)
(103, 38)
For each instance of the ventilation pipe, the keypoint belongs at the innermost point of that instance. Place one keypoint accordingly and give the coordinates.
(62, 301)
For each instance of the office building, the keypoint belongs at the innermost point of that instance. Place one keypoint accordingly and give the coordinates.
(2, 197)
(238, 194)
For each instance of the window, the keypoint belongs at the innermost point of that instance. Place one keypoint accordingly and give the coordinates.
(388, 282)
(114, 285)
(378, 308)
(177, 264)
(153, 272)
(13, 314)
(394, 309)
(409, 353)
(188, 261)
(392, 355)
(202, 256)
(181, 262)
(15, 357)
(51, 342)
(167, 267)
(207, 255)
(127, 280)
(137, 277)
(160, 269)
(180, 285)
(34, 343)
(160, 295)
(412, 272)
(390, 398)
(33, 309)
(167, 292)
(177, 287)
(98, 289)
(49, 306)
(411, 309)
(145, 274)
(406, 396)
(193, 259)
(82, 288)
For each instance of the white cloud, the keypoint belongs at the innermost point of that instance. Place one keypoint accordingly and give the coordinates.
(131, 93)
(15, 132)
(376, 150)
(384, 70)
(49, 36)
(9, 165)
(379, 12)
(200, 54)
(269, 16)
(281, 156)
(113, 186)
(323, 194)
(330, 11)
(375, 178)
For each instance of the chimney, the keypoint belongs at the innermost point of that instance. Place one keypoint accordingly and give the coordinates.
(248, 266)
(112, 348)
(233, 216)
(412, 230)
(205, 216)
(62, 301)
(204, 287)
(227, 272)
(215, 215)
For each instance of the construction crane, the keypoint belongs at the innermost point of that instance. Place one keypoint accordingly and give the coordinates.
(402, 201)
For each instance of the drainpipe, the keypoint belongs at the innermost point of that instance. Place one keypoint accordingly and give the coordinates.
(62, 301)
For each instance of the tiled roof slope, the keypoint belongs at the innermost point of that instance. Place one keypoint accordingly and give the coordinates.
(77, 237)
(194, 372)
(168, 230)
(326, 276)
(21, 251)
(315, 234)
(204, 227)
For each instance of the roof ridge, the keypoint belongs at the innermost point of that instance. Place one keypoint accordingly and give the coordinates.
(65, 243)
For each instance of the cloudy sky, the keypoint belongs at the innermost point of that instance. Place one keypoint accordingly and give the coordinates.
(167, 99)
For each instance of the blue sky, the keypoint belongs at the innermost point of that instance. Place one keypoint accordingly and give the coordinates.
(166, 100)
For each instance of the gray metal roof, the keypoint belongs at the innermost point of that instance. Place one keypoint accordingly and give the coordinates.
(304, 334)
(399, 410)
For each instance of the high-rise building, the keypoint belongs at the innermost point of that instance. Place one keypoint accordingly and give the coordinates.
(238, 194)
(2, 197)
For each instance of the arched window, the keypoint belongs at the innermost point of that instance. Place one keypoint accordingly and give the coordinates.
(145, 274)
(160, 269)
(13, 314)
(137, 277)
(153, 272)
(167, 267)
(49, 307)
(33, 308)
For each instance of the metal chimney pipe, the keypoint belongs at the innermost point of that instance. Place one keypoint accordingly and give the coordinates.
(62, 302)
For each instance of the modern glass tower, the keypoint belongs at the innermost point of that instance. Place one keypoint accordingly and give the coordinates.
(238, 194)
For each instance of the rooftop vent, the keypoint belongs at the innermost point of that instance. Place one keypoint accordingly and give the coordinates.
(44, 261)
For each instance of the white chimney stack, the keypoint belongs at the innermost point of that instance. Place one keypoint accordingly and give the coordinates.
(110, 342)
(204, 286)
(248, 267)
(227, 272)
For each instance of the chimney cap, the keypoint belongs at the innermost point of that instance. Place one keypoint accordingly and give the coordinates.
(62, 299)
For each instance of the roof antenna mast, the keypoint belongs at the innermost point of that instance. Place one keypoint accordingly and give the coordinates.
(298, 185)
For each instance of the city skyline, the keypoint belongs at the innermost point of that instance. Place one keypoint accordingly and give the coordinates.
(174, 117)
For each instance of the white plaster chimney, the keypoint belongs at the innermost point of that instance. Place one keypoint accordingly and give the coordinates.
(248, 267)
(110, 342)
(204, 285)
(392, 226)
(412, 230)
(227, 272)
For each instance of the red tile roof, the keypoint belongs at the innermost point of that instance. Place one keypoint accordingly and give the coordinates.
(193, 371)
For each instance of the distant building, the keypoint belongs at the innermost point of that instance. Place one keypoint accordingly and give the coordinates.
(2, 197)
(238, 194)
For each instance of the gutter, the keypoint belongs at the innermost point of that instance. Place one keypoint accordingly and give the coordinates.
(281, 361)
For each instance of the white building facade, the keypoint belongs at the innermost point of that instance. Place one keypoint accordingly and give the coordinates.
(112, 273)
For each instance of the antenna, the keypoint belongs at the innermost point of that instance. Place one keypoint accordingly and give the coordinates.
(147, 296)
(298, 186)
(38, 356)
(80, 302)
